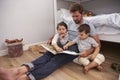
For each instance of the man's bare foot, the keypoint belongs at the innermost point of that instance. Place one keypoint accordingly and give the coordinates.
(6, 74)
(22, 70)
(15, 70)
(100, 68)
(23, 77)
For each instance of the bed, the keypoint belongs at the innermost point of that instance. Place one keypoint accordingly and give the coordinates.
(107, 25)
(111, 38)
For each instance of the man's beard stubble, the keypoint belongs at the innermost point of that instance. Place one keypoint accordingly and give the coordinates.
(77, 22)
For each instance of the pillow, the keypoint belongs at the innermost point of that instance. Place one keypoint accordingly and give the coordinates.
(63, 12)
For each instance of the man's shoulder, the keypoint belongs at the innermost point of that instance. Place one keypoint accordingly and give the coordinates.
(85, 20)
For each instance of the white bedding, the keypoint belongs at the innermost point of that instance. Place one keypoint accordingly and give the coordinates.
(104, 24)
(107, 25)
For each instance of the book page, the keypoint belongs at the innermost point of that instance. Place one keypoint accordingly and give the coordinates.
(51, 49)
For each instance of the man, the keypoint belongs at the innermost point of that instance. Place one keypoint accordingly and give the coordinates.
(45, 65)
(76, 11)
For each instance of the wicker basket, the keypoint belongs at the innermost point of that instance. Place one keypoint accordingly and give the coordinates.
(15, 49)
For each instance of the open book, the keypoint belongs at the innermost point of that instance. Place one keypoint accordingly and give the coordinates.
(52, 50)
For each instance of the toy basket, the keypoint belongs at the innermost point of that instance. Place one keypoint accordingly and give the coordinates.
(15, 49)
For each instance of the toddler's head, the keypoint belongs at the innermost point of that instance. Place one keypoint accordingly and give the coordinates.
(83, 31)
(62, 29)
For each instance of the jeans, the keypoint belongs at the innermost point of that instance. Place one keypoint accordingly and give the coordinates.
(48, 63)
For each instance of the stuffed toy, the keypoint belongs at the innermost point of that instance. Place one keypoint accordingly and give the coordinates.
(13, 41)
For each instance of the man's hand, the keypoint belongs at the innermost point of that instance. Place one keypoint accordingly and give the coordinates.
(49, 41)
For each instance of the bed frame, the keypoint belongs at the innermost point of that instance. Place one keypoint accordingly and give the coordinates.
(110, 38)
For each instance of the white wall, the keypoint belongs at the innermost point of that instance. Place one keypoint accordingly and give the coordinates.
(63, 4)
(102, 6)
(32, 20)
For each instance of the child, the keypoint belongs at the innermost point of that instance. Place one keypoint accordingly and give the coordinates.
(61, 38)
(84, 43)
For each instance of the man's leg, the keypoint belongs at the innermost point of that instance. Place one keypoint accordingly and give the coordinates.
(73, 48)
(26, 67)
(24, 77)
(54, 63)
(39, 62)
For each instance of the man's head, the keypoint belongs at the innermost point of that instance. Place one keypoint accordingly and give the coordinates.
(83, 31)
(76, 10)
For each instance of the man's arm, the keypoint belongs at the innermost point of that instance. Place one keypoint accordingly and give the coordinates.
(96, 51)
(97, 39)
(49, 41)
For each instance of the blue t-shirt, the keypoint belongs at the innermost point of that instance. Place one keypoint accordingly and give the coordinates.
(72, 28)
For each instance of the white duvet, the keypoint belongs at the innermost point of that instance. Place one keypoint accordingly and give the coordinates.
(104, 24)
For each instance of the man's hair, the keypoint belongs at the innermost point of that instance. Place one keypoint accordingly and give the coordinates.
(76, 7)
(62, 24)
(84, 27)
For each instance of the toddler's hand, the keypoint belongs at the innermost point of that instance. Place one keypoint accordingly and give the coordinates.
(83, 54)
(65, 47)
(48, 41)
(62, 36)
(59, 49)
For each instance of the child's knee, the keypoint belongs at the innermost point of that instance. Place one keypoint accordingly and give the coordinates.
(84, 61)
(99, 59)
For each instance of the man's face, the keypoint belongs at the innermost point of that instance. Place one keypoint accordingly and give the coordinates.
(77, 17)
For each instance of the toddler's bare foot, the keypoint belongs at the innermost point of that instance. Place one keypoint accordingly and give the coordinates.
(86, 70)
(100, 68)
(6, 74)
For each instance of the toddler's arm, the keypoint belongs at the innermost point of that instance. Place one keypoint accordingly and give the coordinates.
(68, 44)
(57, 48)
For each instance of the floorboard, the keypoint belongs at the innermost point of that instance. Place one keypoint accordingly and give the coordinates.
(73, 71)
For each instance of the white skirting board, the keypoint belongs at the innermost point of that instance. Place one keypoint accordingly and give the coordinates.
(3, 52)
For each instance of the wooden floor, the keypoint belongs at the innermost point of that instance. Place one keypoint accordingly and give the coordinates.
(72, 71)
